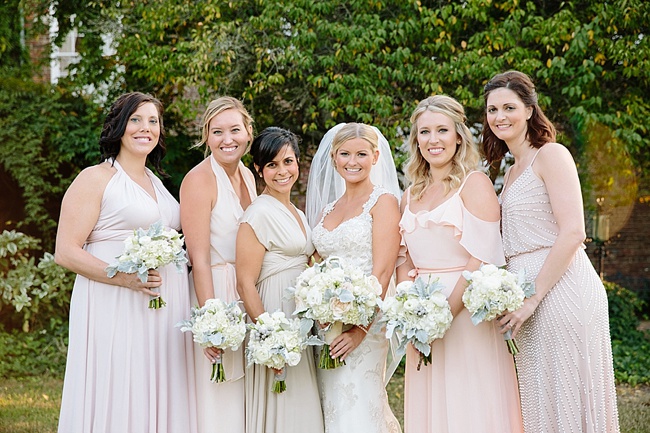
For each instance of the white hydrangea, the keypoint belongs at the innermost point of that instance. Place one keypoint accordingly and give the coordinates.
(150, 249)
(217, 324)
(331, 291)
(276, 341)
(492, 291)
(418, 313)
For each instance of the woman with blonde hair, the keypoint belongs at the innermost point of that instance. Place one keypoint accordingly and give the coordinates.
(450, 223)
(214, 195)
(358, 223)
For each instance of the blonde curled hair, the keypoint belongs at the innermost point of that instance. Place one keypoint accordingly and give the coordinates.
(465, 160)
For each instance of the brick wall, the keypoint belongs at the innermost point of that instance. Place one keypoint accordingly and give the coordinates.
(627, 259)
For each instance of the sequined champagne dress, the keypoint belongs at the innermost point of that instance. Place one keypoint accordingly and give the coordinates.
(566, 377)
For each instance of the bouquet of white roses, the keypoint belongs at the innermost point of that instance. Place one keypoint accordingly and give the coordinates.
(334, 293)
(219, 325)
(150, 249)
(276, 342)
(492, 291)
(418, 313)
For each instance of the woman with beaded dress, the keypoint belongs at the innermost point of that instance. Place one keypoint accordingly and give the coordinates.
(273, 248)
(450, 223)
(565, 370)
(360, 227)
(214, 196)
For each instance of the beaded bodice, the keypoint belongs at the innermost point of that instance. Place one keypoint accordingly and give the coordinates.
(527, 220)
(352, 239)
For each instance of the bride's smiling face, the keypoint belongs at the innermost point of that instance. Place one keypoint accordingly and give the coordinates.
(354, 159)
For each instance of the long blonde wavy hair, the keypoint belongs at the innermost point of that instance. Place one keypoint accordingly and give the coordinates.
(465, 160)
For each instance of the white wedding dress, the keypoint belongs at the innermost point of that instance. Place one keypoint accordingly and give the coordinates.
(353, 396)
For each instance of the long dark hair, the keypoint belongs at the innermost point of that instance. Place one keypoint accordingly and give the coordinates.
(110, 140)
(540, 129)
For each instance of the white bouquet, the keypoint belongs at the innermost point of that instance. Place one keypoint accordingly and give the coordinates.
(334, 293)
(276, 342)
(219, 325)
(492, 291)
(150, 249)
(418, 313)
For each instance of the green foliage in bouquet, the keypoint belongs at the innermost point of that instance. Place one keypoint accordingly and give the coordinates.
(32, 293)
(630, 346)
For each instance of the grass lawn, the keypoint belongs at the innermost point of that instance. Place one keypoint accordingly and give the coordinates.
(31, 405)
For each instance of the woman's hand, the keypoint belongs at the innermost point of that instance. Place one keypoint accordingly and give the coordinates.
(132, 281)
(513, 321)
(213, 354)
(345, 343)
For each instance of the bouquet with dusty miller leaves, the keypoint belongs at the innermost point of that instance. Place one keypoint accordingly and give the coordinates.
(492, 291)
(150, 249)
(418, 313)
(219, 325)
(276, 342)
(333, 293)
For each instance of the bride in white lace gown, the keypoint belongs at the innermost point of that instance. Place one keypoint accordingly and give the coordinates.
(361, 227)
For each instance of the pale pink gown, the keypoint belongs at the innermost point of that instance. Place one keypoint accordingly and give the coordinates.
(471, 384)
(565, 367)
(129, 369)
(227, 397)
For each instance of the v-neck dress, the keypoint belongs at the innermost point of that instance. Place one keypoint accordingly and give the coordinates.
(566, 377)
(298, 409)
(129, 369)
(470, 384)
(226, 397)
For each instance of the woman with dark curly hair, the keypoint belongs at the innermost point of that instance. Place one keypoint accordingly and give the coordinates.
(128, 368)
(566, 378)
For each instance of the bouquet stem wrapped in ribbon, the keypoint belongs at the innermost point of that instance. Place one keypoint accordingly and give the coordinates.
(334, 293)
(492, 291)
(219, 325)
(277, 342)
(150, 249)
(419, 314)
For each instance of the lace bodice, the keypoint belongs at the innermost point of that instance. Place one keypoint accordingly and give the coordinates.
(352, 239)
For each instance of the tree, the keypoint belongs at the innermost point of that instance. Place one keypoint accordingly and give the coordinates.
(307, 65)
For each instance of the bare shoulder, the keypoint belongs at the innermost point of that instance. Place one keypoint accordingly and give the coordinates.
(479, 197)
(552, 153)
(199, 174)
(555, 159)
(479, 181)
(94, 178)
(386, 201)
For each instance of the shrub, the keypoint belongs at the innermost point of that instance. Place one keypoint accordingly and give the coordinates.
(35, 353)
(32, 294)
(630, 346)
